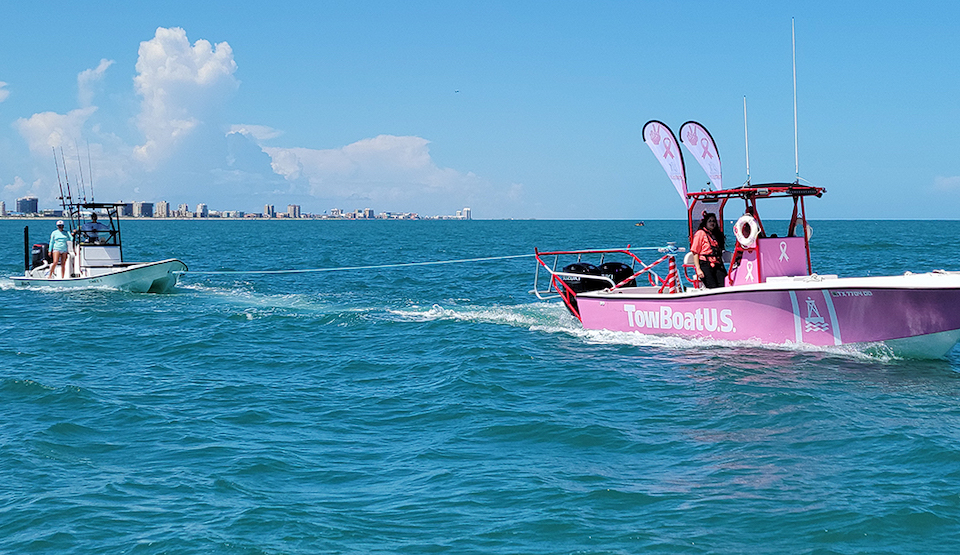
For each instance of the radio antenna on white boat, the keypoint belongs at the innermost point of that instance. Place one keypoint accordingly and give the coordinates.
(796, 147)
(746, 138)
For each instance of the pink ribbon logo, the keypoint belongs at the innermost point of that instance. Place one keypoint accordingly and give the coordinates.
(783, 252)
(706, 149)
(666, 151)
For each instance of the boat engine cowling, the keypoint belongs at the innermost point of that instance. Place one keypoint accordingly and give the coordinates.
(39, 255)
(618, 271)
(582, 285)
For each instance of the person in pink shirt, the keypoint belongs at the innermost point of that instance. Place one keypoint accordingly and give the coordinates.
(707, 245)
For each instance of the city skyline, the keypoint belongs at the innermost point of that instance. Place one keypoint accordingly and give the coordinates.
(29, 207)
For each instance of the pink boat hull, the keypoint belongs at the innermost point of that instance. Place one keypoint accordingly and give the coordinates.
(915, 315)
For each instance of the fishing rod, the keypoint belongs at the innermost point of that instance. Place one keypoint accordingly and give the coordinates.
(82, 192)
(66, 179)
(90, 173)
(59, 182)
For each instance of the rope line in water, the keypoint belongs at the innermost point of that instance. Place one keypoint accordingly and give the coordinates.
(348, 268)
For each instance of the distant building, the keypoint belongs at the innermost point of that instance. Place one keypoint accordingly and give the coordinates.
(293, 210)
(183, 211)
(28, 205)
(466, 214)
(202, 211)
(3, 209)
(162, 209)
(126, 208)
(336, 213)
(142, 209)
(269, 211)
(368, 213)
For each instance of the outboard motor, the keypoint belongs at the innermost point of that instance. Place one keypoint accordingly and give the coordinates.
(582, 285)
(618, 271)
(39, 255)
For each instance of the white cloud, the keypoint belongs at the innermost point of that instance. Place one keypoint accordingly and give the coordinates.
(48, 130)
(386, 167)
(3, 93)
(17, 188)
(182, 87)
(87, 81)
(947, 184)
(187, 153)
(20, 188)
(258, 132)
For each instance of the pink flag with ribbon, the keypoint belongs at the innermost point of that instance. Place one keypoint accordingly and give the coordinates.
(665, 147)
(700, 143)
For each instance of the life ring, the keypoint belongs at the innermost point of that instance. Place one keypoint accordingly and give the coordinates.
(748, 240)
(800, 230)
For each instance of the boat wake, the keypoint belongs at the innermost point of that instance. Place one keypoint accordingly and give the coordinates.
(544, 317)
(9, 285)
(524, 315)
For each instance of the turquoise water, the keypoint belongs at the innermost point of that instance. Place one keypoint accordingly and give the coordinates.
(443, 409)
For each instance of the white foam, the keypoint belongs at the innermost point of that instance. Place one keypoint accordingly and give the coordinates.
(872, 352)
(525, 315)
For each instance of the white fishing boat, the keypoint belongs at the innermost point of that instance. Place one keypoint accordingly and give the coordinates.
(95, 257)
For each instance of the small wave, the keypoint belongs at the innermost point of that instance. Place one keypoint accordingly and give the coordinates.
(525, 315)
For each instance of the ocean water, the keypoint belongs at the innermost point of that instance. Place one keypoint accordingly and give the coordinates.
(444, 409)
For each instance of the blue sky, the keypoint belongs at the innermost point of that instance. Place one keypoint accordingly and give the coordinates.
(515, 109)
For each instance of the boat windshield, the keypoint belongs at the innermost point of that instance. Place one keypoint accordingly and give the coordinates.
(98, 224)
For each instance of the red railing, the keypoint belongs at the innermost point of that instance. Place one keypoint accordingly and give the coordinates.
(568, 295)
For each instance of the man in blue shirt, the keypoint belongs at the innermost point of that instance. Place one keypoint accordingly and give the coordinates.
(90, 230)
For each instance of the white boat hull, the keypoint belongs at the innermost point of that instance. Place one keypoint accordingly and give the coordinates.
(150, 277)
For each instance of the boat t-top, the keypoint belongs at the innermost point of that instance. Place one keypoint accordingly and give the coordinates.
(95, 256)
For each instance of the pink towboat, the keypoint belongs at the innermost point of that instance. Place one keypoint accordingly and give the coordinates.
(771, 294)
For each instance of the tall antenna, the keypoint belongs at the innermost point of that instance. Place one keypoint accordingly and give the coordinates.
(746, 138)
(796, 148)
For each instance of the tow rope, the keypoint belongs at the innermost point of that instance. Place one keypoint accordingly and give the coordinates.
(351, 268)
